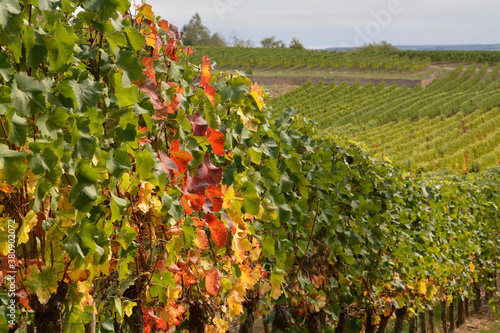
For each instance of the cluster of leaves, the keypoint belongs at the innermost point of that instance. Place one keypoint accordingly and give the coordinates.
(150, 193)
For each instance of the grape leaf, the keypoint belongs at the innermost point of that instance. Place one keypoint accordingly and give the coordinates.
(217, 230)
(212, 281)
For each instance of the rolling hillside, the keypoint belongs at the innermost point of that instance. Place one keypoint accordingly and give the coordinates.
(453, 123)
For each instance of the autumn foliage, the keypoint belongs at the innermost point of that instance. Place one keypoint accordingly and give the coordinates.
(149, 192)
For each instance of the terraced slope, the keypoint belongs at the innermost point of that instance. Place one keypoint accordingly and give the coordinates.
(453, 123)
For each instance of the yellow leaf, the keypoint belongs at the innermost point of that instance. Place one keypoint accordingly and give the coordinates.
(235, 305)
(472, 267)
(221, 324)
(84, 287)
(145, 196)
(173, 293)
(229, 197)
(255, 250)
(79, 275)
(257, 96)
(422, 287)
(129, 306)
(276, 289)
(29, 222)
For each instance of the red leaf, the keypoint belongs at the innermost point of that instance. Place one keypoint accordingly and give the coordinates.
(171, 49)
(206, 76)
(210, 93)
(180, 157)
(218, 231)
(214, 194)
(167, 165)
(212, 282)
(209, 172)
(150, 318)
(195, 185)
(194, 201)
(217, 140)
(148, 62)
(199, 125)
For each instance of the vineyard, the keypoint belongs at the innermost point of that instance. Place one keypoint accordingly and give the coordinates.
(142, 193)
(452, 124)
(291, 59)
(279, 59)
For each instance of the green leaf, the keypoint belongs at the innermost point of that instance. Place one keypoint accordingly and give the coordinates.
(19, 130)
(40, 163)
(43, 283)
(5, 69)
(14, 169)
(135, 38)
(84, 193)
(118, 162)
(5, 100)
(8, 8)
(251, 200)
(126, 235)
(106, 8)
(126, 96)
(60, 46)
(85, 147)
(86, 92)
(255, 154)
(27, 95)
(145, 164)
(235, 94)
(38, 51)
(128, 63)
(268, 246)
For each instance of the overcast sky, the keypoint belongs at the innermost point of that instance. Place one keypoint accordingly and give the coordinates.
(328, 23)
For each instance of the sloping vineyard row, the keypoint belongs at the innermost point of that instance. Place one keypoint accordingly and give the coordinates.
(444, 124)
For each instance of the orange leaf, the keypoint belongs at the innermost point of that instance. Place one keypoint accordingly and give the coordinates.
(165, 27)
(206, 76)
(210, 93)
(146, 11)
(212, 282)
(201, 239)
(172, 314)
(198, 223)
(217, 230)
(214, 194)
(6, 188)
(217, 140)
(180, 157)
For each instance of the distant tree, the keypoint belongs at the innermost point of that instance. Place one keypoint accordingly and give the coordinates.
(195, 33)
(383, 46)
(234, 40)
(295, 44)
(217, 40)
(272, 43)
